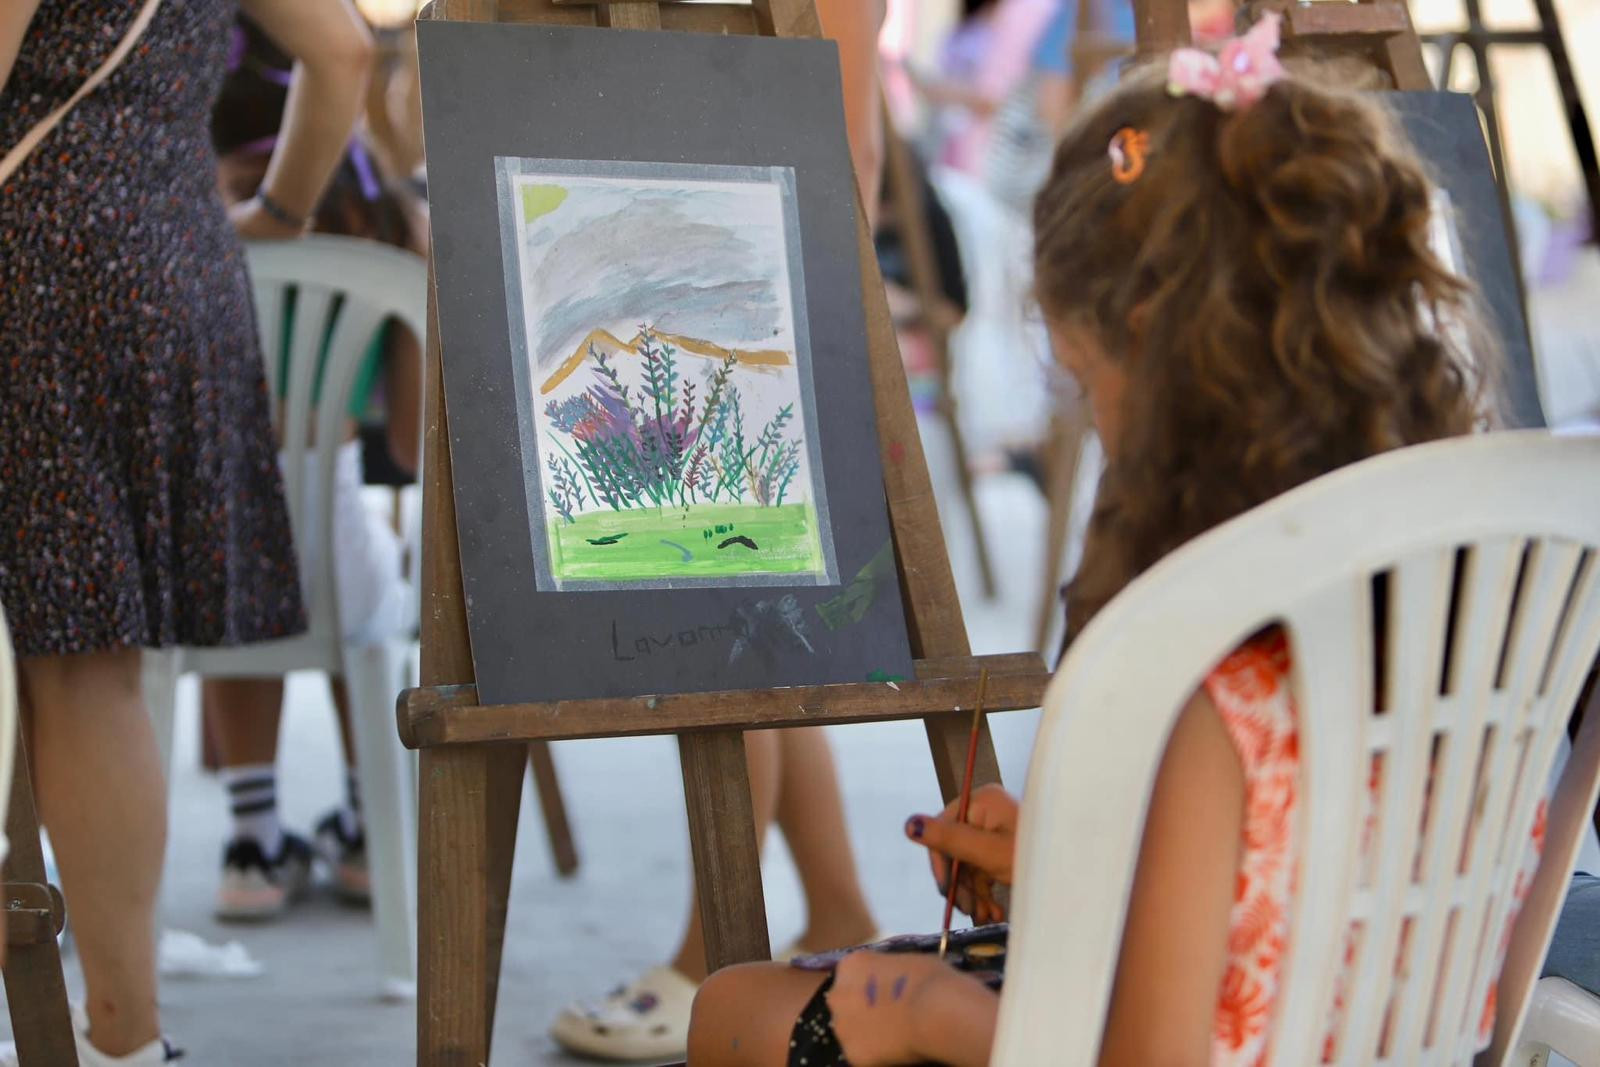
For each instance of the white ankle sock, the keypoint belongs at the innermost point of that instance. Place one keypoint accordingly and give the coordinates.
(253, 796)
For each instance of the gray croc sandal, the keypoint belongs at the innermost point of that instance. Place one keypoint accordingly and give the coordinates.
(647, 1020)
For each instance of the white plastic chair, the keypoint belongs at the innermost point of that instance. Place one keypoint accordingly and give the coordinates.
(1521, 514)
(375, 282)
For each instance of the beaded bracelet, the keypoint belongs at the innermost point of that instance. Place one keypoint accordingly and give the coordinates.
(278, 213)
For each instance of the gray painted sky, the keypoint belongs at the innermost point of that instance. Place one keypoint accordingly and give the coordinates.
(706, 261)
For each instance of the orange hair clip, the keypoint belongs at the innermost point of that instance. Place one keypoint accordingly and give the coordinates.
(1128, 151)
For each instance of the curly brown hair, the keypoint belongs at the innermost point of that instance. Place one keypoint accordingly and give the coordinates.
(1268, 286)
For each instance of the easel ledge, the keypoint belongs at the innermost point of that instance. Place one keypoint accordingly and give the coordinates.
(451, 715)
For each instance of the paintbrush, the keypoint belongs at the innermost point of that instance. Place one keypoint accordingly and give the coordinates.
(961, 810)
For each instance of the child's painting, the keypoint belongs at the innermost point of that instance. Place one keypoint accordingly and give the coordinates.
(672, 409)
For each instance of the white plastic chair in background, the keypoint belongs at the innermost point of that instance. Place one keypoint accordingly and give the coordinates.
(372, 283)
(1493, 586)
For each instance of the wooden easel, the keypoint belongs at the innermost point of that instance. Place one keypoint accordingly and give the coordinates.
(35, 914)
(472, 756)
(936, 317)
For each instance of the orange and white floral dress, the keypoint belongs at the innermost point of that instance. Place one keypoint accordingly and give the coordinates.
(1251, 692)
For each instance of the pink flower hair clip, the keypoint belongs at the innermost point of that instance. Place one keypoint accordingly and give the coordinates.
(1238, 75)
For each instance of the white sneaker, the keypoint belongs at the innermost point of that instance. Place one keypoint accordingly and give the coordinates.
(154, 1054)
(648, 1020)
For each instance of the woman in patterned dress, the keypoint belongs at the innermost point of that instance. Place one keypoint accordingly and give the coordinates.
(140, 501)
(1235, 266)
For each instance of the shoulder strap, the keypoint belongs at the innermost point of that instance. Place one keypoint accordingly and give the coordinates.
(30, 140)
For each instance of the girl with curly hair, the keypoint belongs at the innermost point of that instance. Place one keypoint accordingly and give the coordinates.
(1235, 265)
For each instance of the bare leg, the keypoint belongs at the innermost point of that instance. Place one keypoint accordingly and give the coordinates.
(102, 797)
(244, 714)
(810, 813)
(744, 1016)
(792, 781)
(761, 748)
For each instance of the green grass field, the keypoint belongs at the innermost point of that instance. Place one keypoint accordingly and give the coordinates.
(645, 543)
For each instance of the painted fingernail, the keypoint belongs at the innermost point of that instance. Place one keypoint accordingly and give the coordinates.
(916, 826)
(899, 987)
(872, 991)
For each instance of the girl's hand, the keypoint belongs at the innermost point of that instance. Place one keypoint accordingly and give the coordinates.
(986, 845)
(878, 1000)
(252, 223)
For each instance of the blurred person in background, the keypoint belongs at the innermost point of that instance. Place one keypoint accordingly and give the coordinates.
(265, 868)
(394, 108)
(140, 499)
(984, 60)
(1074, 57)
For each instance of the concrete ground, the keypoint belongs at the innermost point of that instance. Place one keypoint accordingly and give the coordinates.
(317, 1003)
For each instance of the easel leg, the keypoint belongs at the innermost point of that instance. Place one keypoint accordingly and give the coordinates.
(548, 784)
(722, 838)
(469, 800)
(36, 988)
(507, 769)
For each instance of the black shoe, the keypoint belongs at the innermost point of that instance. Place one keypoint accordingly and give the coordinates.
(258, 889)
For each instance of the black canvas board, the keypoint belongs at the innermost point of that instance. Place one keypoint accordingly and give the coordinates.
(1447, 133)
(655, 104)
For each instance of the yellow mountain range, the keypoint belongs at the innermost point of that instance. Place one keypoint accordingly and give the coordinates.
(767, 359)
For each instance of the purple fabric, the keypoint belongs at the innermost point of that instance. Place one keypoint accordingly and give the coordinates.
(965, 48)
(260, 146)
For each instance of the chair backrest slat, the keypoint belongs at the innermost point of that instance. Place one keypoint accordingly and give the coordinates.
(1321, 628)
(1423, 760)
(313, 306)
(1418, 592)
(269, 301)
